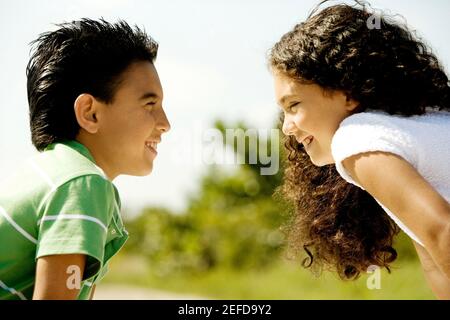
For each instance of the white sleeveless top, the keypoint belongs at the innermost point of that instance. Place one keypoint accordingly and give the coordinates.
(422, 140)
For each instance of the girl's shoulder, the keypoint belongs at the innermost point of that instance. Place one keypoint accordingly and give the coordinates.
(383, 118)
(407, 136)
(378, 124)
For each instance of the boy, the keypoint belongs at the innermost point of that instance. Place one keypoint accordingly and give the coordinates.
(95, 102)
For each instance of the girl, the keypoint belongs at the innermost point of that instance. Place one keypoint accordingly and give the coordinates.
(367, 124)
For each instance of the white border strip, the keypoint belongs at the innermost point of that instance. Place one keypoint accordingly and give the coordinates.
(73, 216)
(42, 173)
(16, 226)
(12, 290)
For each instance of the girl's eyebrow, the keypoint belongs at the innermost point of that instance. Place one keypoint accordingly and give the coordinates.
(148, 95)
(283, 99)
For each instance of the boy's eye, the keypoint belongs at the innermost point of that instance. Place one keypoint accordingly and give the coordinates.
(150, 105)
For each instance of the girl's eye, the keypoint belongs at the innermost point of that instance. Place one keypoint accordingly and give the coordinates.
(293, 107)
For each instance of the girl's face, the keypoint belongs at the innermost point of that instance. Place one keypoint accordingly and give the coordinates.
(310, 112)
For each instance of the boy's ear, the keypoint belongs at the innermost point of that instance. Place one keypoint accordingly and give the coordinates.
(85, 112)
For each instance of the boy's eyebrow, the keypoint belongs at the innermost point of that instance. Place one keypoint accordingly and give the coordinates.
(149, 95)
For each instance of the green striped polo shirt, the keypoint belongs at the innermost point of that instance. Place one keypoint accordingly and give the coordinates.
(58, 202)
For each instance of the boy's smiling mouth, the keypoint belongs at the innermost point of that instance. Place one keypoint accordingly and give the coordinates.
(152, 146)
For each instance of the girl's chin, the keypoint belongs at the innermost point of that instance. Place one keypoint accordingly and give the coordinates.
(321, 162)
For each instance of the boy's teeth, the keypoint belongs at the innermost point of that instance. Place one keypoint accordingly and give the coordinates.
(151, 144)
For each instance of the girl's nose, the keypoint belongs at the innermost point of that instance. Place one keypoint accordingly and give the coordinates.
(288, 127)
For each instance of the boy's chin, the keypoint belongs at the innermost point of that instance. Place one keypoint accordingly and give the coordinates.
(141, 172)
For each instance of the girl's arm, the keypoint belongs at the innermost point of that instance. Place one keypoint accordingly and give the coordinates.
(438, 281)
(395, 183)
(58, 277)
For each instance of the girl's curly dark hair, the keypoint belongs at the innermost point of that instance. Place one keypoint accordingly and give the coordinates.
(382, 65)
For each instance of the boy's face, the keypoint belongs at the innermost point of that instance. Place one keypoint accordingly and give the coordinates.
(310, 112)
(130, 127)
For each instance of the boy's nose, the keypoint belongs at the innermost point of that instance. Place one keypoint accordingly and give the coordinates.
(163, 123)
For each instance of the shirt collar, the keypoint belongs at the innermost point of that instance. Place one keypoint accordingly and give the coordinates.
(80, 148)
(76, 146)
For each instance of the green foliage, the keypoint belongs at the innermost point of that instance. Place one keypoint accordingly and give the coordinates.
(232, 223)
(229, 224)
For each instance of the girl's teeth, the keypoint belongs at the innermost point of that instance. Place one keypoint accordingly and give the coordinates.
(308, 140)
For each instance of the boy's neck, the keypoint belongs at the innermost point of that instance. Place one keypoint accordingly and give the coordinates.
(99, 158)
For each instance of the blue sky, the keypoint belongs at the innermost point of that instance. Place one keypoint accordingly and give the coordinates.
(211, 63)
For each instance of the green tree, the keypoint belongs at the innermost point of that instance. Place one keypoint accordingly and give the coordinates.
(233, 221)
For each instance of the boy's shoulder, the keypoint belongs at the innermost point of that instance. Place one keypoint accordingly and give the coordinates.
(62, 162)
(55, 174)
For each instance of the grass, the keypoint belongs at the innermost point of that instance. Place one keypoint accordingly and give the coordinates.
(282, 281)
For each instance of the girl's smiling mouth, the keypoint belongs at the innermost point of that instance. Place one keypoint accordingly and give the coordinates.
(306, 141)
